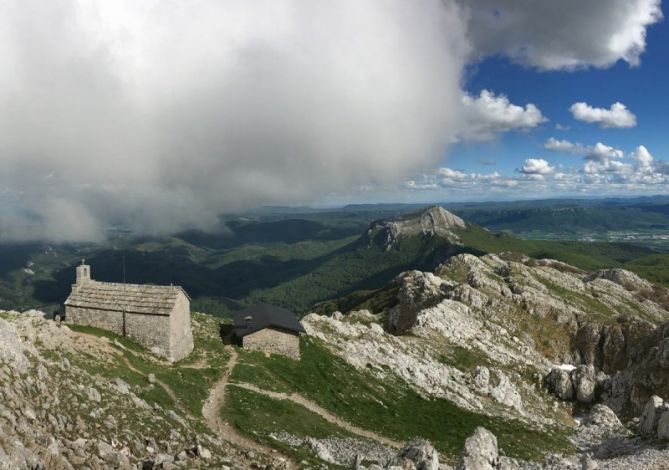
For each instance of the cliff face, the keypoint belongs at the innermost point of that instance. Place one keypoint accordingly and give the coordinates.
(434, 221)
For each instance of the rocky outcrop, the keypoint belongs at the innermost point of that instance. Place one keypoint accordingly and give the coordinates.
(612, 346)
(651, 415)
(416, 291)
(463, 332)
(583, 378)
(559, 383)
(622, 277)
(602, 416)
(480, 451)
(434, 221)
(56, 414)
(418, 454)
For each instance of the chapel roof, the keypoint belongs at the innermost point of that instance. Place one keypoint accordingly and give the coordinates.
(265, 316)
(121, 297)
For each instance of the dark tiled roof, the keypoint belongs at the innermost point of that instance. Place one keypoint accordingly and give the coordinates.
(131, 298)
(265, 316)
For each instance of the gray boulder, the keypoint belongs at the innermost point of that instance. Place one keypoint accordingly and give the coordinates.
(584, 380)
(558, 382)
(602, 416)
(421, 454)
(480, 452)
(651, 415)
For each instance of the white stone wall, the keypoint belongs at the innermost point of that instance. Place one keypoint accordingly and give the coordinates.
(110, 321)
(181, 332)
(151, 331)
(273, 341)
(168, 336)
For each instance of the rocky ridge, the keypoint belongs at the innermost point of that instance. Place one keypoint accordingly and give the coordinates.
(494, 333)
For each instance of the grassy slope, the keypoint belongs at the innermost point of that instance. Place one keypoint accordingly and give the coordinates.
(586, 256)
(259, 416)
(388, 407)
(357, 266)
(190, 384)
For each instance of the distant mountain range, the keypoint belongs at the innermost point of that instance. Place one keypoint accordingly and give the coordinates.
(310, 258)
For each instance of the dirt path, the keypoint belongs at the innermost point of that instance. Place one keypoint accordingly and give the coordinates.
(322, 412)
(165, 387)
(212, 414)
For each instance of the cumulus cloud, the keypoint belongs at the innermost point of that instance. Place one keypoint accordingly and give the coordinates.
(643, 158)
(634, 173)
(601, 152)
(597, 152)
(599, 158)
(536, 166)
(616, 116)
(158, 116)
(488, 114)
(562, 145)
(567, 34)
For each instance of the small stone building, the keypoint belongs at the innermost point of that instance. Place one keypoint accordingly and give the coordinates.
(157, 317)
(269, 329)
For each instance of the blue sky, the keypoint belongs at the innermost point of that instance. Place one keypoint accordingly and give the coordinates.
(643, 89)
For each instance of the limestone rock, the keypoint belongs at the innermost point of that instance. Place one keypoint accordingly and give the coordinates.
(320, 450)
(558, 382)
(651, 415)
(93, 394)
(416, 291)
(434, 221)
(602, 415)
(587, 341)
(663, 426)
(421, 454)
(584, 380)
(480, 451)
(622, 277)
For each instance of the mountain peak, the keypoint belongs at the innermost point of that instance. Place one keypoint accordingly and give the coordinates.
(434, 220)
(437, 218)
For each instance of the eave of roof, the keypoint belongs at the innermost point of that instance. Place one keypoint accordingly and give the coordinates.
(266, 316)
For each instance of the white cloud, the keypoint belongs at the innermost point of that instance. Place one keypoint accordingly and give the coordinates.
(601, 152)
(599, 158)
(536, 166)
(643, 159)
(488, 114)
(617, 115)
(597, 167)
(561, 145)
(159, 115)
(597, 152)
(563, 34)
(613, 173)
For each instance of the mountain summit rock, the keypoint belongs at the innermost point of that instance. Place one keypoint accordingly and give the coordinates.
(433, 221)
